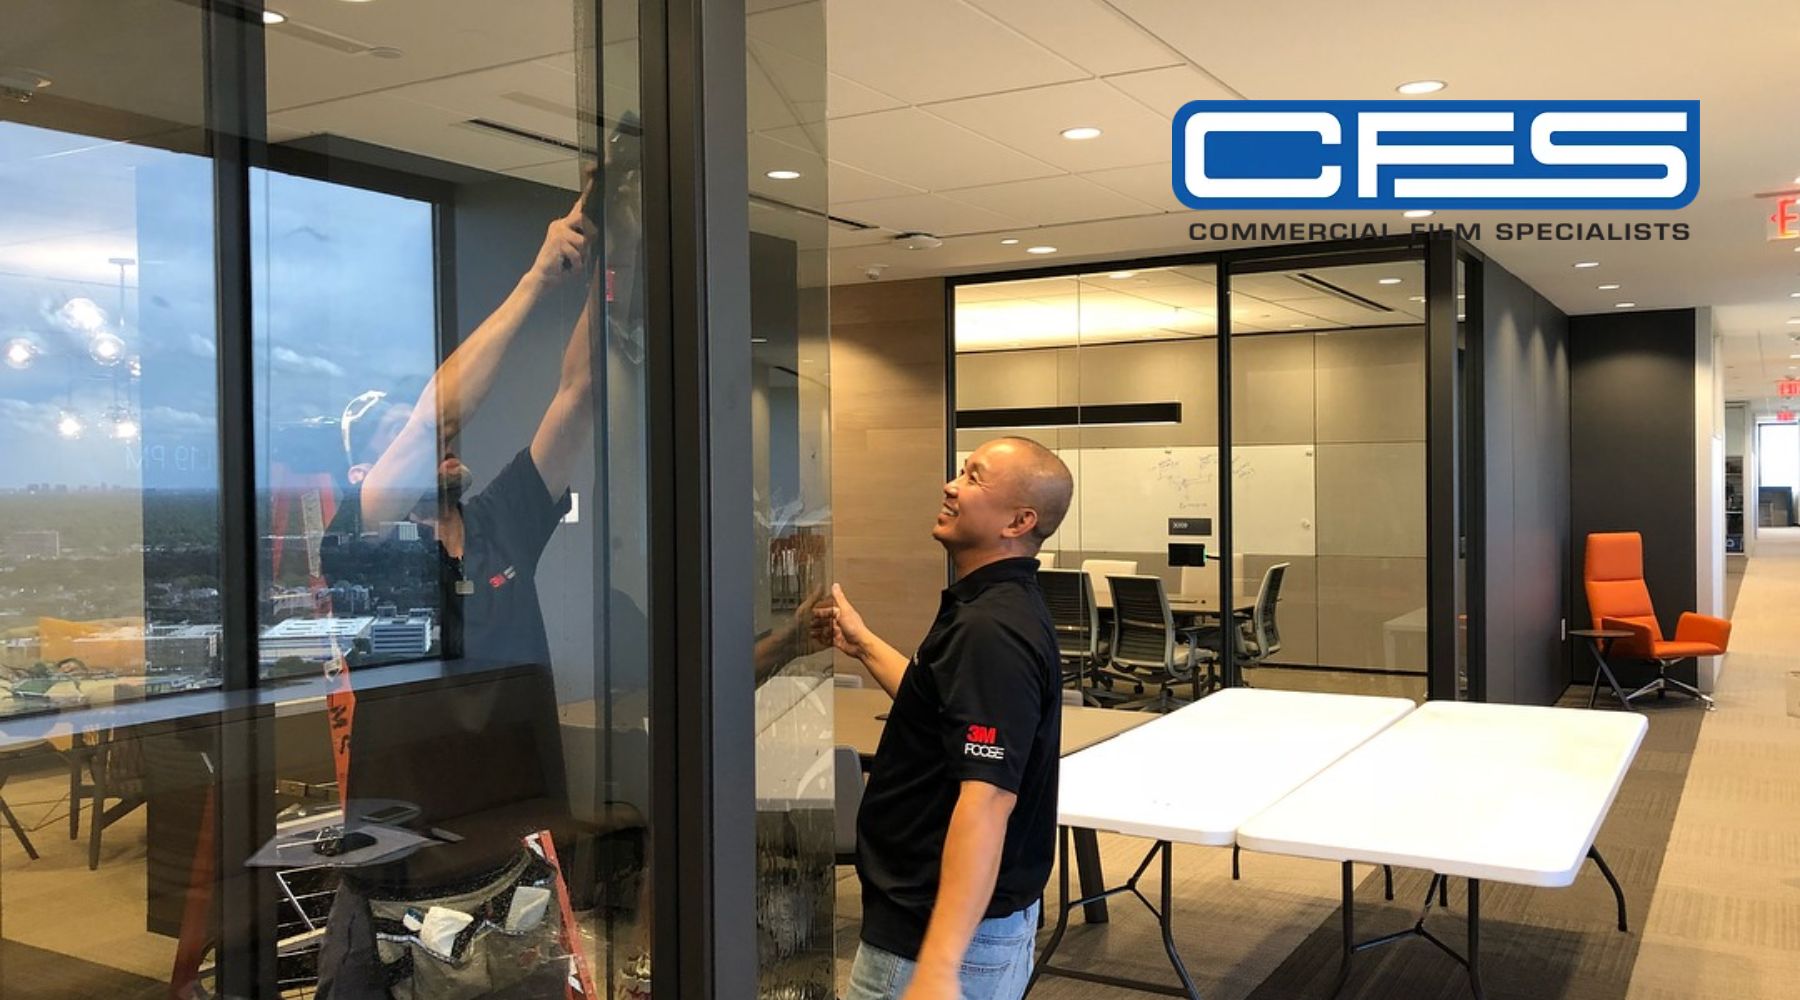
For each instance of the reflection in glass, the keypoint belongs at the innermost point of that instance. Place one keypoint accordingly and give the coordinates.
(790, 433)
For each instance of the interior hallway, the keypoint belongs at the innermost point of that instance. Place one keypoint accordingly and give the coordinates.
(1724, 921)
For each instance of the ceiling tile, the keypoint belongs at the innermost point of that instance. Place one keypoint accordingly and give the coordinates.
(927, 213)
(926, 152)
(564, 173)
(799, 83)
(1049, 201)
(1151, 184)
(416, 128)
(1032, 121)
(845, 97)
(851, 184)
(1091, 34)
(936, 50)
(1164, 91)
(807, 190)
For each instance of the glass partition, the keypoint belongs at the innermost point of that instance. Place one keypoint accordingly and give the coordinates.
(1328, 472)
(1118, 371)
(790, 385)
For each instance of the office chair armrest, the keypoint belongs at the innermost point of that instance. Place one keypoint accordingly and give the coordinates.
(1694, 627)
(1640, 643)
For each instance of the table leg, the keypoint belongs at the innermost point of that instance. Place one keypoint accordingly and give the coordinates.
(1474, 958)
(1349, 930)
(1235, 849)
(1387, 881)
(1062, 910)
(1618, 893)
(1093, 879)
(1168, 932)
(1600, 650)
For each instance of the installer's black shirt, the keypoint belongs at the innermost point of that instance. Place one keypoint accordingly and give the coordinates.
(980, 701)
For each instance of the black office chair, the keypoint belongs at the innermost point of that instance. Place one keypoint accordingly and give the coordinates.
(847, 799)
(1147, 649)
(1260, 636)
(1069, 594)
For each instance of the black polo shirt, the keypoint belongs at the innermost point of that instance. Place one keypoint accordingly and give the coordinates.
(980, 701)
(488, 599)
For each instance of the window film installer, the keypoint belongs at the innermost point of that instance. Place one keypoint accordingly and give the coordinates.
(958, 823)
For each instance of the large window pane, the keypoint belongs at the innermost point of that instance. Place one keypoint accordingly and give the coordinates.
(109, 510)
(450, 360)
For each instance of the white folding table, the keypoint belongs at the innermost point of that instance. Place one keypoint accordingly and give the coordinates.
(1506, 793)
(1143, 783)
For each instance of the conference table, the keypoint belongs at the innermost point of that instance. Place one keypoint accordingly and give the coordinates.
(861, 713)
(1192, 604)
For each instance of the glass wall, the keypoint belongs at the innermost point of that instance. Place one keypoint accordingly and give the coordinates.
(1115, 371)
(1118, 370)
(1328, 470)
(433, 774)
(790, 384)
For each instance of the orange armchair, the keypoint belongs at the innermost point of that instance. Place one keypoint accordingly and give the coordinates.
(1618, 599)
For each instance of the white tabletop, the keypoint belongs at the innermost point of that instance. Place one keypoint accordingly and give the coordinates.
(1512, 793)
(1195, 775)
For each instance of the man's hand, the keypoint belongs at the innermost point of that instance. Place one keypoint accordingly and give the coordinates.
(836, 622)
(564, 249)
(927, 984)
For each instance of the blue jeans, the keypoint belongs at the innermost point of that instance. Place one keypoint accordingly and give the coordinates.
(997, 965)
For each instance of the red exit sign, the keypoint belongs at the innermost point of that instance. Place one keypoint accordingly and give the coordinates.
(1785, 416)
(1784, 222)
(1787, 388)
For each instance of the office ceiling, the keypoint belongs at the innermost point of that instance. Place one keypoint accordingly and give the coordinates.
(943, 116)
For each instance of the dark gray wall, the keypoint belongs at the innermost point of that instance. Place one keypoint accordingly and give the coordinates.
(1631, 415)
(499, 225)
(1525, 442)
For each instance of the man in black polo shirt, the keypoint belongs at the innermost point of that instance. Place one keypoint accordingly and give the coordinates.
(955, 836)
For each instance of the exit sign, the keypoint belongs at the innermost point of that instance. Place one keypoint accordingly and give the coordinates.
(1784, 222)
(1785, 416)
(1787, 388)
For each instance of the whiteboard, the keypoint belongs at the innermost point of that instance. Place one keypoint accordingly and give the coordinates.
(1124, 498)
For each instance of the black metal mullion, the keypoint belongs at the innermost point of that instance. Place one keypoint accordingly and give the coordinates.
(244, 817)
(1474, 470)
(1440, 465)
(696, 214)
(1228, 668)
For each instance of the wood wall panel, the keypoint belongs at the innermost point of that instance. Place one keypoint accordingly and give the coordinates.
(887, 400)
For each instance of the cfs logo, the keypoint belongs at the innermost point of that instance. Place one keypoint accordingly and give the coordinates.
(1445, 154)
(983, 742)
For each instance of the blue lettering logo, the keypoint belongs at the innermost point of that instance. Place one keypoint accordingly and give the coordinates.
(1438, 154)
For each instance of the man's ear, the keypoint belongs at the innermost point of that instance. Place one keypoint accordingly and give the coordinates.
(1024, 522)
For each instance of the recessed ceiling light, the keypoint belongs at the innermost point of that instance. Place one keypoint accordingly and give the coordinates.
(1297, 326)
(1587, 263)
(759, 340)
(1421, 87)
(1794, 295)
(1122, 275)
(1418, 213)
(1415, 298)
(1795, 321)
(1387, 281)
(1008, 242)
(273, 17)
(783, 175)
(1081, 132)
(1624, 305)
(1040, 249)
(1609, 287)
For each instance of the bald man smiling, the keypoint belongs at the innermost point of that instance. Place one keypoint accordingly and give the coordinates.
(958, 823)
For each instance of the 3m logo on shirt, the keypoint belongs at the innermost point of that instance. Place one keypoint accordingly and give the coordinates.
(983, 743)
(499, 579)
(1437, 154)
